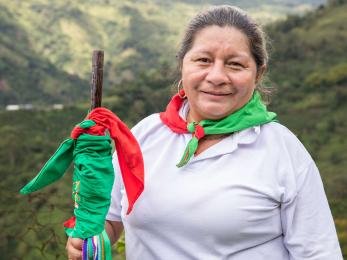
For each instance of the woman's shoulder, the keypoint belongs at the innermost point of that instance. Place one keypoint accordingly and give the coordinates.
(146, 127)
(147, 121)
(279, 130)
(284, 142)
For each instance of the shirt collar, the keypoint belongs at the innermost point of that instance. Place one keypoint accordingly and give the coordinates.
(183, 112)
(228, 144)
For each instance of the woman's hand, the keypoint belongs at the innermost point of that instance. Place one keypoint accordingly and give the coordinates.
(74, 245)
(74, 248)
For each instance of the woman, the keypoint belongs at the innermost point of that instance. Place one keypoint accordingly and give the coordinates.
(223, 180)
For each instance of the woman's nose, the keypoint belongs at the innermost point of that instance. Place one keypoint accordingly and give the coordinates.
(217, 74)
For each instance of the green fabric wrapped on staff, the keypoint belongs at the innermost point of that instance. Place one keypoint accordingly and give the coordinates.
(90, 149)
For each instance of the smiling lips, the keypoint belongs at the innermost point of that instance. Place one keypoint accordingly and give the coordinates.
(216, 94)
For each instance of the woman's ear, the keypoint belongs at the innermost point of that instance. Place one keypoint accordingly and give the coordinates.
(260, 73)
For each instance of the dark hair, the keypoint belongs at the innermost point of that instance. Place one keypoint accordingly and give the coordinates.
(226, 15)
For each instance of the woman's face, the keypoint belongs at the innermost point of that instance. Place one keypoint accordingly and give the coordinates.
(218, 73)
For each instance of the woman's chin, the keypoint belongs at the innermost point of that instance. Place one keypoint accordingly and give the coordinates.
(217, 111)
(215, 114)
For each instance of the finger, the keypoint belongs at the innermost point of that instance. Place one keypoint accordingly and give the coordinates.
(72, 252)
(76, 242)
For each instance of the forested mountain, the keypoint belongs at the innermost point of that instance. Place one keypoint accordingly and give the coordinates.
(27, 76)
(308, 67)
(46, 46)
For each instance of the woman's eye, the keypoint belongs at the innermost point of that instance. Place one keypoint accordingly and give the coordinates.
(203, 60)
(234, 65)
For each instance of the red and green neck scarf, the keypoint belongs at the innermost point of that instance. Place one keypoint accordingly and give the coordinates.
(253, 113)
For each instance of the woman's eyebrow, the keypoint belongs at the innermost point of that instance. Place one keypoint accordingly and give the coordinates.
(238, 54)
(241, 55)
(201, 52)
(238, 58)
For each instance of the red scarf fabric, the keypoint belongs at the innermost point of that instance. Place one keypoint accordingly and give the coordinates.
(253, 113)
(128, 150)
(172, 119)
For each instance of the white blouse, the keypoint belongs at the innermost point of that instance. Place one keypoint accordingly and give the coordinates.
(255, 195)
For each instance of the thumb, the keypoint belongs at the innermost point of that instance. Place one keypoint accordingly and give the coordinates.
(76, 242)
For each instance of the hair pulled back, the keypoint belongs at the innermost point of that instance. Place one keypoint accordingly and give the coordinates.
(226, 15)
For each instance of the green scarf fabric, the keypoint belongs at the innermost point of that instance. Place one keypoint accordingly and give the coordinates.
(92, 180)
(251, 114)
(93, 177)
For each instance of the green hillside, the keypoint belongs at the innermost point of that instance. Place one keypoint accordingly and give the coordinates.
(309, 69)
(26, 76)
(45, 46)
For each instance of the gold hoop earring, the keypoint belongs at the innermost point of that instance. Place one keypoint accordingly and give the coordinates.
(180, 90)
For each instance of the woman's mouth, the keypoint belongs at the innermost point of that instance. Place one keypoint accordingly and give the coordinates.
(218, 94)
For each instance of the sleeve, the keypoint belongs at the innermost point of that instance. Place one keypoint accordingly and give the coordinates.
(308, 226)
(114, 213)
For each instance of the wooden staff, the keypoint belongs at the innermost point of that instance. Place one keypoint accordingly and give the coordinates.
(97, 78)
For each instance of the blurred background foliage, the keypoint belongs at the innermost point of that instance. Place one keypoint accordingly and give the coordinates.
(45, 50)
